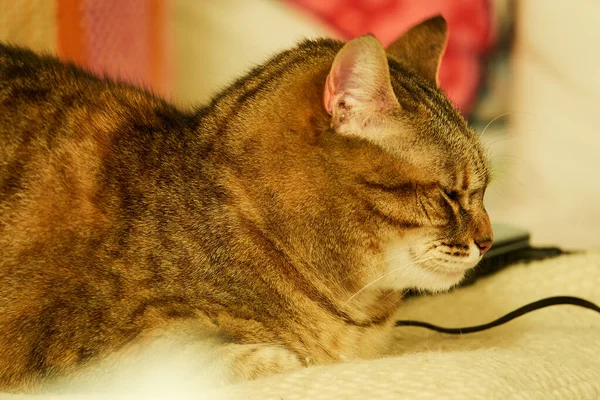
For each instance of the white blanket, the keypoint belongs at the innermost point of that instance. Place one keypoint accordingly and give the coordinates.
(553, 353)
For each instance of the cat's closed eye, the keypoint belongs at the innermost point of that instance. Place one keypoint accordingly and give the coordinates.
(451, 194)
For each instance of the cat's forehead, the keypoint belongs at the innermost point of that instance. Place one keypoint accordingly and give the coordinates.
(465, 162)
(417, 94)
(441, 135)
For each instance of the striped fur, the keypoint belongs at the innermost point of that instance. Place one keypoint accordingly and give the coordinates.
(249, 224)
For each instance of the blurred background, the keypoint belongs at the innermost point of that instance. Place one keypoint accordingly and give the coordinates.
(523, 72)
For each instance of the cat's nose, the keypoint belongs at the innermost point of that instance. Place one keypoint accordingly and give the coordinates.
(484, 245)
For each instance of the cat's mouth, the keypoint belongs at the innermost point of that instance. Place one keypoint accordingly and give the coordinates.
(433, 267)
(441, 272)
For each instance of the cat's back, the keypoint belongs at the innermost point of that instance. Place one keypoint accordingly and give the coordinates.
(65, 137)
(28, 80)
(52, 98)
(55, 111)
(37, 94)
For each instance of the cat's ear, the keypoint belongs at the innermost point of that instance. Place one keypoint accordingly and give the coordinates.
(422, 47)
(358, 91)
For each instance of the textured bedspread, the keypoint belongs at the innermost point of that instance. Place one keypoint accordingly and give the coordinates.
(553, 353)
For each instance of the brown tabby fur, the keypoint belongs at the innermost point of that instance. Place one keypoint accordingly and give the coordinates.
(250, 218)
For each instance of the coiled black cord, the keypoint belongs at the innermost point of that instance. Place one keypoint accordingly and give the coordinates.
(536, 305)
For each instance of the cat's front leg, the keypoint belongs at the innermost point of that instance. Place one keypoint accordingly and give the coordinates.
(252, 361)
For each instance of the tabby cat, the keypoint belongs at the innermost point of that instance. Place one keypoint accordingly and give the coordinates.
(275, 228)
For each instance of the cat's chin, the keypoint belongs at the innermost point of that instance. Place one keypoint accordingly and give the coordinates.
(436, 280)
(423, 278)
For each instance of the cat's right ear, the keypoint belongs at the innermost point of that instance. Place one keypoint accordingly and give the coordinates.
(422, 47)
(358, 91)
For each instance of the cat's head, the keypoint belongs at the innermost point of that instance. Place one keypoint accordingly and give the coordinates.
(426, 176)
(354, 163)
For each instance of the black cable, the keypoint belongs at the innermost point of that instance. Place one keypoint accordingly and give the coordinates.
(536, 305)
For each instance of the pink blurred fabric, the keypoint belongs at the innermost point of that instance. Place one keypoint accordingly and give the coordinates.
(470, 25)
(117, 37)
(128, 40)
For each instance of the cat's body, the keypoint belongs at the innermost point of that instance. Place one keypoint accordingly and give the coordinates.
(256, 221)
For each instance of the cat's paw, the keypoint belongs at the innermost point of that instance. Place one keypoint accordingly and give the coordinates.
(253, 361)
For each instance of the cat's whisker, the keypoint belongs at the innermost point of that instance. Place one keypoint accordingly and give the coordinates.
(371, 266)
(503, 139)
(394, 291)
(500, 176)
(437, 266)
(388, 252)
(427, 243)
(503, 115)
(491, 122)
(495, 158)
(383, 276)
(499, 193)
